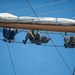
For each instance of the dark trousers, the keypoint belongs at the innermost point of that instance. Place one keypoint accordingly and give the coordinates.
(5, 33)
(9, 34)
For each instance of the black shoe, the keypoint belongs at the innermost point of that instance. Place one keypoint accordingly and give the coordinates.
(9, 41)
(24, 41)
(65, 45)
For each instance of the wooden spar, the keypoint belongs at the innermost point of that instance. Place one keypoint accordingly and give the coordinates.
(58, 28)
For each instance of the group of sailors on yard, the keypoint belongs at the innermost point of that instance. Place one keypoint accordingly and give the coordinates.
(35, 38)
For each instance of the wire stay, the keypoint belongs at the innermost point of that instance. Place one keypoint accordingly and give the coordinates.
(62, 57)
(33, 11)
(37, 45)
(38, 6)
(11, 59)
(73, 71)
(55, 11)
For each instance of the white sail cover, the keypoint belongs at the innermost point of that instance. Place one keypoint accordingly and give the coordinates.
(45, 20)
(6, 17)
(65, 21)
(26, 19)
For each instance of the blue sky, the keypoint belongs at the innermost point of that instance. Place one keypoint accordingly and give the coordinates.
(31, 59)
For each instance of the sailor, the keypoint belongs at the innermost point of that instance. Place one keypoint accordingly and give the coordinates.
(36, 38)
(9, 34)
(69, 42)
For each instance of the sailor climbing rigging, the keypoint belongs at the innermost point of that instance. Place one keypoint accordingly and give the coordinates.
(69, 42)
(36, 38)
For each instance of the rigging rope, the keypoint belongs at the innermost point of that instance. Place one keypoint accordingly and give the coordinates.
(22, 30)
(42, 44)
(55, 11)
(73, 71)
(33, 12)
(47, 32)
(38, 45)
(32, 9)
(11, 59)
(39, 6)
(62, 57)
(61, 34)
(73, 17)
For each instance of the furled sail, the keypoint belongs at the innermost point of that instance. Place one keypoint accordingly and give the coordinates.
(34, 23)
(7, 17)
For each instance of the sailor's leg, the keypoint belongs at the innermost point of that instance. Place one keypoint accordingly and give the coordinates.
(5, 34)
(70, 45)
(30, 35)
(38, 36)
(66, 40)
(24, 41)
(12, 35)
(65, 45)
(72, 39)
